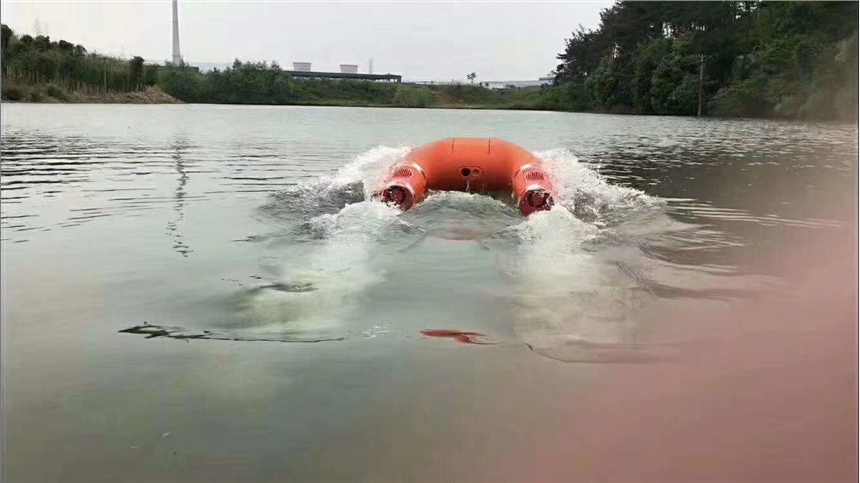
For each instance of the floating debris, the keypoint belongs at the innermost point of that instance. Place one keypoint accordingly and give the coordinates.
(606, 353)
(459, 336)
(180, 333)
(287, 287)
(374, 331)
(254, 238)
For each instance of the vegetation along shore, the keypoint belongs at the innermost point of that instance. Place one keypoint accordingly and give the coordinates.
(753, 59)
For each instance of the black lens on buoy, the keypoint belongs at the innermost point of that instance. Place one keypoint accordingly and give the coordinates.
(539, 199)
(395, 194)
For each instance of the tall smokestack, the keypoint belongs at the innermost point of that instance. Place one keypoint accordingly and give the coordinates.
(177, 57)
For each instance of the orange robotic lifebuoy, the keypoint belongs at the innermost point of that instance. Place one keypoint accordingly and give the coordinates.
(473, 165)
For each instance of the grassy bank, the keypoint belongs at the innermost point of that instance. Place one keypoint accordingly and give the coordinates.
(51, 93)
(264, 83)
(36, 69)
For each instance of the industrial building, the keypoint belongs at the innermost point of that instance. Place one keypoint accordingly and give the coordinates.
(347, 71)
(541, 82)
(300, 69)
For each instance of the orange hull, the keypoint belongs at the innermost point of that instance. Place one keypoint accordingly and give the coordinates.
(473, 165)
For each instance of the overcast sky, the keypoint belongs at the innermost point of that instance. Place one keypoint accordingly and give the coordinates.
(421, 41)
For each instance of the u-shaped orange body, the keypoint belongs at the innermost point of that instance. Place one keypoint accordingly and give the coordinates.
(472, 165)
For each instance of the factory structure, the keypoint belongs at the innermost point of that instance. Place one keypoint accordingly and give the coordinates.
(347, 71)
(300, 69)
(177, 57)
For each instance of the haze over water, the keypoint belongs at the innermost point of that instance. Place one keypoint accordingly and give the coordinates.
(284, 310)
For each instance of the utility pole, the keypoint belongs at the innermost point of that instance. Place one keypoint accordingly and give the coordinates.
(701, 81)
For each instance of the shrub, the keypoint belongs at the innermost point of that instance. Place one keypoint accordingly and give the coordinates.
(412, 96)
(13, 92)
(55, 91)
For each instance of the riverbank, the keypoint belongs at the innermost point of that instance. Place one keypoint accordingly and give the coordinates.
(532, 99)
(50, 93)
(261, 83)
(46, 95)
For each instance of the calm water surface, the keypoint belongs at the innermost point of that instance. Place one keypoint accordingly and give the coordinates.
(276, 314)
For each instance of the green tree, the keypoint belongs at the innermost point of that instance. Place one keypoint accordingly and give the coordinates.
(761, 58)
(55, 66)
(6, 34)
(135, 70)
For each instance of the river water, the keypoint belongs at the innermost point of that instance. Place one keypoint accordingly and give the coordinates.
(202, 292)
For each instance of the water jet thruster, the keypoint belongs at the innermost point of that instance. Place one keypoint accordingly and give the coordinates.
(472, 165)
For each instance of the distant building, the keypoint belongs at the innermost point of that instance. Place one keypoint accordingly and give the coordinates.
(519, 84)
(492, 84)
(306, 72)
(209, 66)
(347, 71)
(168, 65)
(343, 75)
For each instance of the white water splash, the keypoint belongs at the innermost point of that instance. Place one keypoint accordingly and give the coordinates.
(565, 292)
(370, 168)
(339, 268)
(584, 191)
(337, 265)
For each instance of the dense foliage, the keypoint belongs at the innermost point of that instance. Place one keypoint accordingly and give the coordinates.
(788, 59)
(750, 58)
(63, 67)
(263, 83)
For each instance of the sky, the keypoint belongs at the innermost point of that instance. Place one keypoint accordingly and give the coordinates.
(419, 40)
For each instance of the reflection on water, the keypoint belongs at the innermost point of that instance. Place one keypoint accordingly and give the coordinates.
(173, 226)
(570, 278)
(654, 215)
(574, 278)
(181, 333)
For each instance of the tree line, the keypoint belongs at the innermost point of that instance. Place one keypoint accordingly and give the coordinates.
(36, 68)
(61, 65)
(267, 83)
(750, 58)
